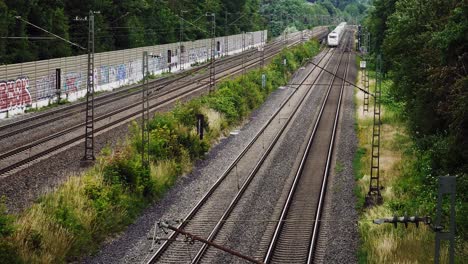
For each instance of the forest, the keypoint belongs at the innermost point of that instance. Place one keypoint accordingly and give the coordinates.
(424, 47)
(425, 52)
(135, 23)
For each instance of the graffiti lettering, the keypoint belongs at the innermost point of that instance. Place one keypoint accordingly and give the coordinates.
(14, 94)
(45, 86)
(72, 82)
(104, 75)
(121, 72)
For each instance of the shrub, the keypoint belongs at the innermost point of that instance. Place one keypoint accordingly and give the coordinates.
(81, 213)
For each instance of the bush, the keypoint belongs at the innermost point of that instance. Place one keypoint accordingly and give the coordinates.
(81, 213)
(8, 251)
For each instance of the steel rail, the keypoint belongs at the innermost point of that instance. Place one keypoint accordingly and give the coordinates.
(121, 94)
(107, 115)
(190, 216)
(165, 81)
(325, 179)
(299, 172)
(41, 141)
(228, 211)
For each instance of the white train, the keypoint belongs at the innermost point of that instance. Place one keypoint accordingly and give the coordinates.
(335, 36)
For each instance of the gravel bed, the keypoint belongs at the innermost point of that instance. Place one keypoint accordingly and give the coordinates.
(342, 238)
(133, 246)
(271, 186)
(20, 139)
(24, 185)
(31, 181)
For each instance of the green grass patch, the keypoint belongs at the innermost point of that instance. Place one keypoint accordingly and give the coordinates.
(410, 188)
(339, 167)
(47, 107)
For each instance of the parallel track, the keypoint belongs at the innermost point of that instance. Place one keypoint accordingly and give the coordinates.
(171, 96)
(123, 93)
(295, 236)
(207, 217)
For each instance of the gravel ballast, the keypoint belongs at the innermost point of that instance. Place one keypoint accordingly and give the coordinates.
(133, 246)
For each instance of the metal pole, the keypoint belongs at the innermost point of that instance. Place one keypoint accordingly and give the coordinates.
(243, 56)
(213, 53)
(181, 39)
(374, 196)
(197, 238)
(226, 39)
(262, 47)
(89, 130)
(447, 185)
(145, 116)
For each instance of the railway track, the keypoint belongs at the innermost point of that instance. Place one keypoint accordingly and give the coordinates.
(295, 236)
(12, 159)
(211, 212)
(119, 94)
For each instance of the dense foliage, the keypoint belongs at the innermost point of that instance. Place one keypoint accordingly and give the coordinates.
(424, 44)
(119, 24)
(135, 23)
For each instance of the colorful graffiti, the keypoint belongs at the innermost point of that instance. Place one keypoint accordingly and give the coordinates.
(45, 87)
(14, 94)
(121, 72)
(103, 75)
(72, 82)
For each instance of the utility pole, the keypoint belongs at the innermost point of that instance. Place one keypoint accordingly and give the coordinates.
(374, 196)
(145, 137)
(226, 39)
(89, 133)
(243, 55)
(213, 52)
(181, 39)
(447, 186)
(89, 127)
(366, 76)
(262, 49)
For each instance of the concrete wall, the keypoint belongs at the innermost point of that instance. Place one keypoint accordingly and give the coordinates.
(33, 84)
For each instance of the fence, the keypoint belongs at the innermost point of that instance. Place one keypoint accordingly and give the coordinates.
(33, 84)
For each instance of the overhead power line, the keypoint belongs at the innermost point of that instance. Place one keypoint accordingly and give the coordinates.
(57, 36)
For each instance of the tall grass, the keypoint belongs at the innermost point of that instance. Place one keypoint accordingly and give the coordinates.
(402, 193)
(76, 217)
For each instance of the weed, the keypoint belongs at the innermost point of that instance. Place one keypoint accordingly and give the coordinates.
(339, 167)
(409, 189)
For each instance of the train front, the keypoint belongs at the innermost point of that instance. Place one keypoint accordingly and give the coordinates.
(333, 39)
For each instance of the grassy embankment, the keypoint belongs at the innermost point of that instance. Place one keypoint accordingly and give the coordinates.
(408, 188)
(73, 220)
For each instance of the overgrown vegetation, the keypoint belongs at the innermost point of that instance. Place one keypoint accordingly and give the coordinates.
(409, 189)
(429, 94)
(74, 219)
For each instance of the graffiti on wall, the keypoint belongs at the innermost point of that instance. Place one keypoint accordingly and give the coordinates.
(198, 54)
(72, 82)
(121, 72)
(133, 69)
(45, 87)
(103, 75)
(14, 94)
